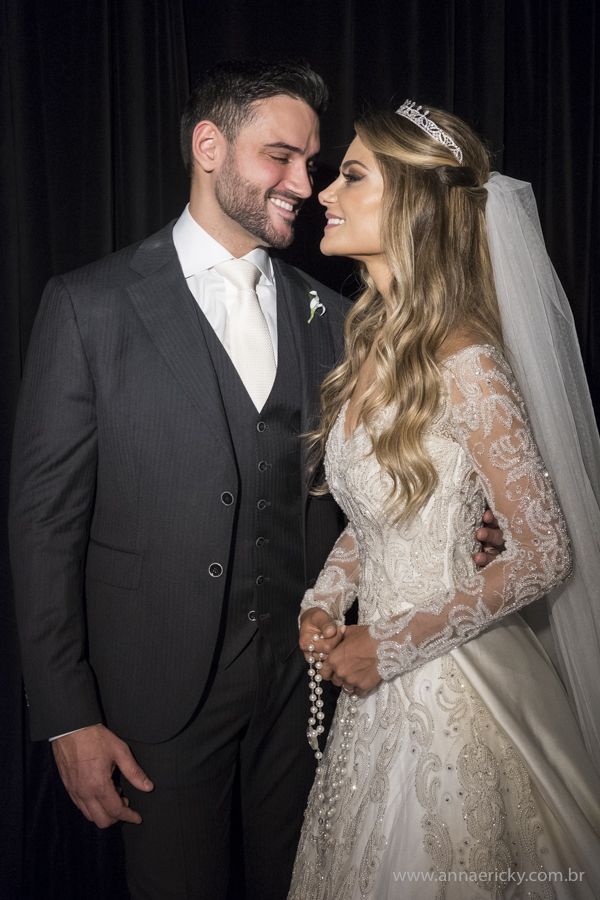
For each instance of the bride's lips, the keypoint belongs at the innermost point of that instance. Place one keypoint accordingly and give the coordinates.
(333, 221)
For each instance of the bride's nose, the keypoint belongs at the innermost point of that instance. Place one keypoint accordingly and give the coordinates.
(328, 194)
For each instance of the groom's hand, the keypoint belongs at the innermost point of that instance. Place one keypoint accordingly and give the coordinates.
(491, 537)
(86, 760)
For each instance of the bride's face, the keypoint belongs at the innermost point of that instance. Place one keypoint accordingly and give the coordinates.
(353, 207)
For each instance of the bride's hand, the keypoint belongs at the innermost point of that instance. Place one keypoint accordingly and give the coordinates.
(352, 665)
(319, 631)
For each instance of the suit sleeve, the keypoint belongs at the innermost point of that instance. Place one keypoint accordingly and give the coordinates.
(53, 479)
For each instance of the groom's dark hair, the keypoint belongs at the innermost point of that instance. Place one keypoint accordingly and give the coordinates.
(225, 95)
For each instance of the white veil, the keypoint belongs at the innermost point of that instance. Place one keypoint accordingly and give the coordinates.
(544, 353)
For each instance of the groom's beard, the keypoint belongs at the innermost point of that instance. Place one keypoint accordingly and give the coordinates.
(246, 204)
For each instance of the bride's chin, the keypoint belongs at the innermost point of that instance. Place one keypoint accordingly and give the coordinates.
(327, 249)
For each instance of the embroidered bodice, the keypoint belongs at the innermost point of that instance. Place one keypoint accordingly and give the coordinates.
(418, 587)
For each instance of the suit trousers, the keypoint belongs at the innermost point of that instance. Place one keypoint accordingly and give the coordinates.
(223, 820)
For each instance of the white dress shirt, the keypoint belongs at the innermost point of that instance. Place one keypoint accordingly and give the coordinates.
(198, 252)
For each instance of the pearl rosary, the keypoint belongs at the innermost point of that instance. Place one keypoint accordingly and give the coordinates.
(315, 721)
(327, 796)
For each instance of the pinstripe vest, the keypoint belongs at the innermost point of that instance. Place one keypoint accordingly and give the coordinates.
(266, 565)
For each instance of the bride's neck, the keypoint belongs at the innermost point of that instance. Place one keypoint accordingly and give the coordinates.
(380, 273)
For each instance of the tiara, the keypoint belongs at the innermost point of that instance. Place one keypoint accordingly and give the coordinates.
(418, 115)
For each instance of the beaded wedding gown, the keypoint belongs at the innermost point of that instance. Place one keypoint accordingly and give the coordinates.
(463, 775)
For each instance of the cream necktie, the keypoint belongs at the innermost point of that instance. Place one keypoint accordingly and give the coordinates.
(247, 336)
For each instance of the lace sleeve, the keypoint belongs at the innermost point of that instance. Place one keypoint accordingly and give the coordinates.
(489, 420)
(337, 585)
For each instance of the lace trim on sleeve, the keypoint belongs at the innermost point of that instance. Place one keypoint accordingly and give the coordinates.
(489, 420)
(337, 585)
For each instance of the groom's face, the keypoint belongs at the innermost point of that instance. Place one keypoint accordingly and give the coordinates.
(266, 175)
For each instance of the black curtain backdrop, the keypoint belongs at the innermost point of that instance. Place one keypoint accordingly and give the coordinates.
(91, 93)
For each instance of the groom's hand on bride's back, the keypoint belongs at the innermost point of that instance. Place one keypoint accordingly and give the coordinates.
(491, 538)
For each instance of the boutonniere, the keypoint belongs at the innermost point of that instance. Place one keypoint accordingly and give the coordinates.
(315, 306)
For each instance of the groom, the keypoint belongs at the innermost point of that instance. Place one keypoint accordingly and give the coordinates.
(162, 533)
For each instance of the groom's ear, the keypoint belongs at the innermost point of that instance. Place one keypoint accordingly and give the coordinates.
(209, 146)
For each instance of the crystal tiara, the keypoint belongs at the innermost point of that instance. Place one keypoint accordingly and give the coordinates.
(418, 115)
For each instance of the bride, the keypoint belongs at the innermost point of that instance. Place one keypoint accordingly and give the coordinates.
(456, 766)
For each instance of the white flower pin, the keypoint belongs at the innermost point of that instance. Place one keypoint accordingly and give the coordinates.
(315, 306)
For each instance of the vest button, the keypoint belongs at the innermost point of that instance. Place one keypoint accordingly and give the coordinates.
(215, 570)
(226, 498)
(263, 466)
(252, 615)
(262, 504)
(260, 541)
(261, 426)
(260, 579)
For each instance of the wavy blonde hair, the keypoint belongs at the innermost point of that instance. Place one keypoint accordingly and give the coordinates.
(434, 238)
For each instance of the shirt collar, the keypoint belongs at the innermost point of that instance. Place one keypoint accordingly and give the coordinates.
(198, 251)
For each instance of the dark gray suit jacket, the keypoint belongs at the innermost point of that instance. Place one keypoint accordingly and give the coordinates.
(121, 454)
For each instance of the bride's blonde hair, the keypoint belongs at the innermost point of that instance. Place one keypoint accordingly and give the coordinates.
(434, 238)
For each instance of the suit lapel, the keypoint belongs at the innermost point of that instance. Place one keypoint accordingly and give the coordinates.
(314, 345)
(169, 313)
